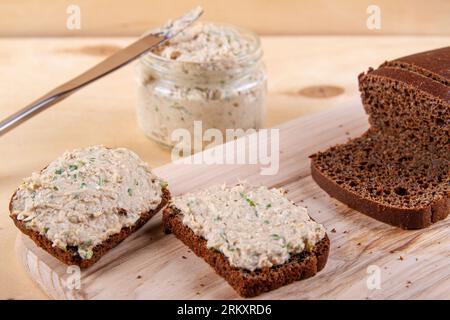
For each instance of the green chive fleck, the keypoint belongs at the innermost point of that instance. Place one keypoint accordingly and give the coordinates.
(89, 254)
(163, 184)
(59, 171)
(266, 221)
(275, 236)
(269, 205)
(130, 192)
(45, 230)
(83, 185)
(223, 236)
(73, 167)
(249, 201)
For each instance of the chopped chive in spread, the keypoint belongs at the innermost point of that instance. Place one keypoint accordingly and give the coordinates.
(83, 185)
(59, 171)
(130, 192)
(55, 188)
(249, 201)
(100, 181)
(266, 221)
(89, 254)
(163, 183)
(269, 205)
(73, 167)
(45, 230)
(276, 236)
(223, 236)
(88, 243)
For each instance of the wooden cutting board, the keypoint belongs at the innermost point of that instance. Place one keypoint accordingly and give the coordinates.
(151, 265)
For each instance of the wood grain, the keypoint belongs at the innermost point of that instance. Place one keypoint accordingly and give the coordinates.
(268, 17)
(150, 265)
(104, 113)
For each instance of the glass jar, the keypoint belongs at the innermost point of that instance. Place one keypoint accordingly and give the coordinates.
(228, 94)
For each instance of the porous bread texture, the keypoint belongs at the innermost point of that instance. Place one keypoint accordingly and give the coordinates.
(409, 106)
(398, 171)
(377, 167)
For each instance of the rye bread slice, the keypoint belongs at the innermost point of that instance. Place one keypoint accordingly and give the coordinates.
(71, 256)
(246, 283)
(398, 171)
(387, 180)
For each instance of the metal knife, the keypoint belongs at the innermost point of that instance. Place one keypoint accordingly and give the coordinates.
(110, 64)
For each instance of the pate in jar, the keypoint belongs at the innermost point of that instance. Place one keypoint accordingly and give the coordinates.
(210, 73)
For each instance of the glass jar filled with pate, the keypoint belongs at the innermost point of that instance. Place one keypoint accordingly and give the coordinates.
(210, 73)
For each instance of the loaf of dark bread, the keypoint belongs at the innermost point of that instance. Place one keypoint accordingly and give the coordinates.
(398, 171)
(249, 283)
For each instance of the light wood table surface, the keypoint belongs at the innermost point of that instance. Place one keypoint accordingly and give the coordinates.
(104, 112)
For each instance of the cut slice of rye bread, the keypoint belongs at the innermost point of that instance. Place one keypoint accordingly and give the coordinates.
(385, 179)
(246, 283)
(397, 172)
(71, 256)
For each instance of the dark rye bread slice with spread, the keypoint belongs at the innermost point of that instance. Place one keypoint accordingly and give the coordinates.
(86, 202)
(70, 256)
(246, 283)
(397, 172)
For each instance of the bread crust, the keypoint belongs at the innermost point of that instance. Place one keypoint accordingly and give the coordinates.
(71, 256)
(427, 73)
(433, 64)
(404, 218)
(417, 81)
(246, 283)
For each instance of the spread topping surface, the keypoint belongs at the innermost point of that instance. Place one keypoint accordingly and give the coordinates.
(87, 195)
(254, 227)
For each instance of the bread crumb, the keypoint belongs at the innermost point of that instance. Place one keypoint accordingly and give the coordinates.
(333, 230)
(359, 243)
(392, 251)
(139, 277)
(400, 258)
(184, 257)
(345, 231)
